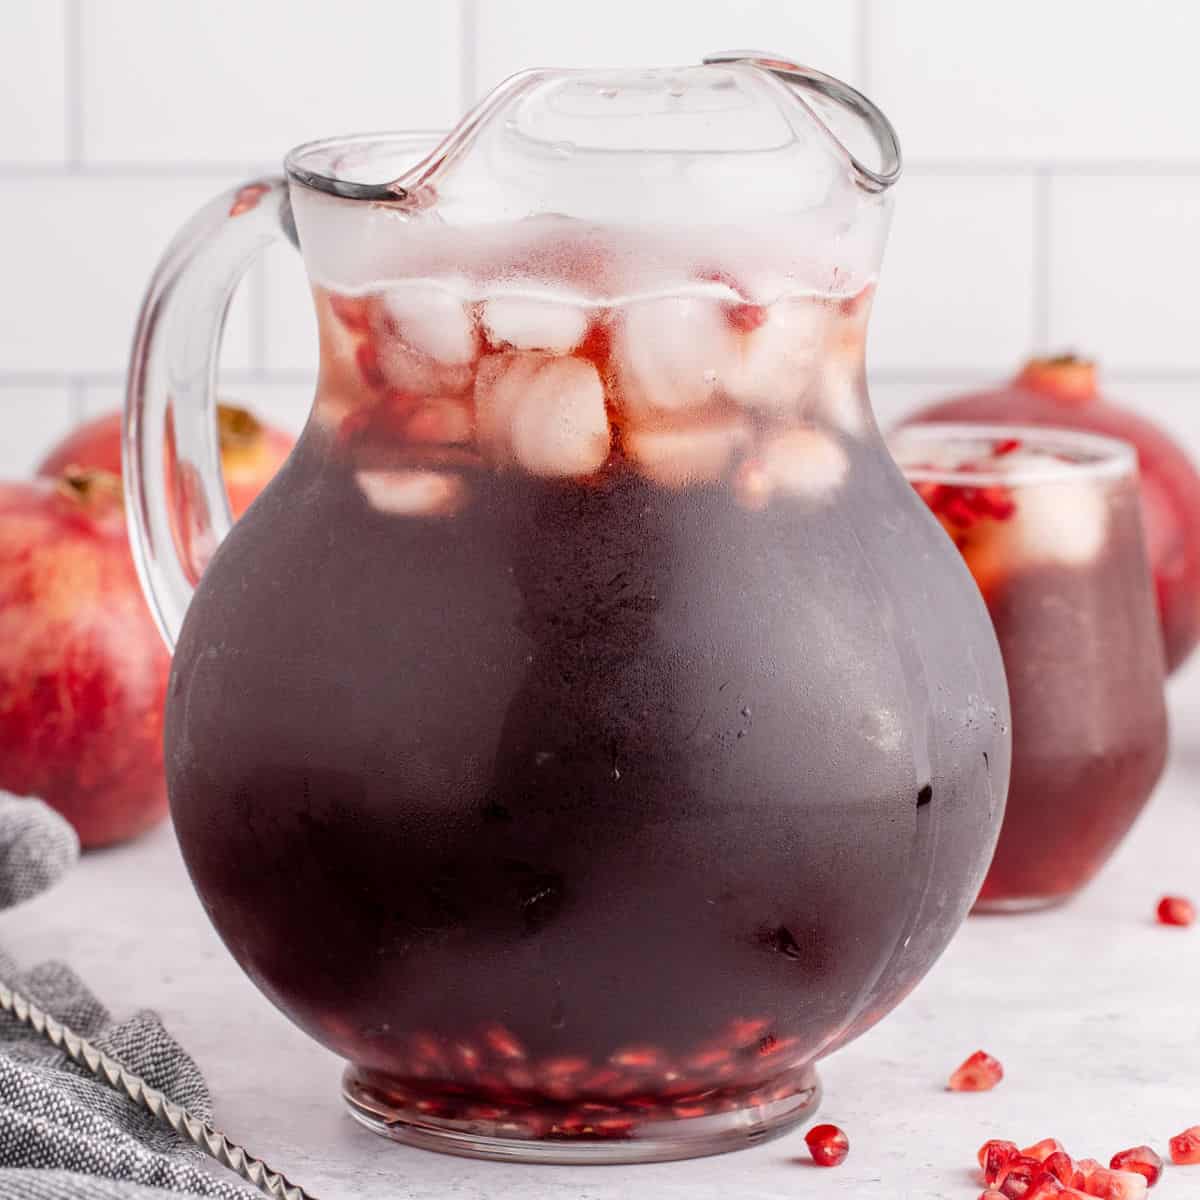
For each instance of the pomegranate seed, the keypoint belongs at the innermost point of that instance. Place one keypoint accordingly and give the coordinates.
(636, 1056)
(1185, 1147)
(1176, 910)
(564, 1068)
(1142, 1159)
(1043, 1149)
(706, 1059)
(1043, 1187)
(467, 1055)
(994, 1156)
(1085, 1168)
(828, 1145)
(1018, 1175)
(958, 512)
(745, 318)
(745, 1031)
(1059, 1165)
(979, 1073)
(1116, 1185)
(1005, 446)
(503, 1043)
(995, 502)
(991, 1194)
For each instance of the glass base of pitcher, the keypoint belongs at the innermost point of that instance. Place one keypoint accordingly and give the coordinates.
(565, 1136)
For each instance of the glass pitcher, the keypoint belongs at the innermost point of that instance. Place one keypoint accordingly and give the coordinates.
(588, 729)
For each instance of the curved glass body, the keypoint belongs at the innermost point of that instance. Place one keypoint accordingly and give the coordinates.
(588, 729)
(1048, 522)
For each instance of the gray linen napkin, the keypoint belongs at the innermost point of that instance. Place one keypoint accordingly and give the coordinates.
(63, 1134)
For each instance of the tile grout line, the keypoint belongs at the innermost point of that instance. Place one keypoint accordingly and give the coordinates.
(73, 84)
(862, 47)
(467, 65)
(1041, 260)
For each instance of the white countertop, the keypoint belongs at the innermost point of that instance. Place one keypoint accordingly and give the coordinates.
(1093, 1009)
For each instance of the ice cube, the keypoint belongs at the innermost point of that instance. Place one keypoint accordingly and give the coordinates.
(432, 320)
(412, 492)
(806, 463)
(779, 356)
(415, 373)
(527, 323)
(1060, 522)
(681, 457)
(673, 353)
(543, 413)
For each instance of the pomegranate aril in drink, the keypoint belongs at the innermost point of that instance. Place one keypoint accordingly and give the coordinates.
(828, 1145)
(1185, 1147)
(978, 1073)
(1176, 910)
(1142, 1159)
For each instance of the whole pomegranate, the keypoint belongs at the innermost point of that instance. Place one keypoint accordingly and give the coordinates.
(83, 673)
(251, 452)
(1063, 391)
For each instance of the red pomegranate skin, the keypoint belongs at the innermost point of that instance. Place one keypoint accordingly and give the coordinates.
(251, 452)
(83, 672)
(1064, 392)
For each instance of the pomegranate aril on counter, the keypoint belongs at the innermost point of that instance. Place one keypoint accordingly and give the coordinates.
(828, 1145)
(978, 1073)
(1176, 910)
(1142, 1159)
(1185, 1147)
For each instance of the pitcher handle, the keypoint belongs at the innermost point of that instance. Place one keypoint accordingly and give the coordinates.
(175, 499)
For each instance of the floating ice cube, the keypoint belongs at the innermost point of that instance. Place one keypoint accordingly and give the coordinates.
(1060, 522)
(432, 320)
(526, 323)
(416, 373)
(673, 353)
(807, 464)
(681, 457)
(412, 493)
(779, 356)
(543, 413)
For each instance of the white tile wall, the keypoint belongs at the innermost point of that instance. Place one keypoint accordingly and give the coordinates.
(223, 81)
(1051, 197)
(1124, 260)
(957, 286)
(513, 34)
(33, 84)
